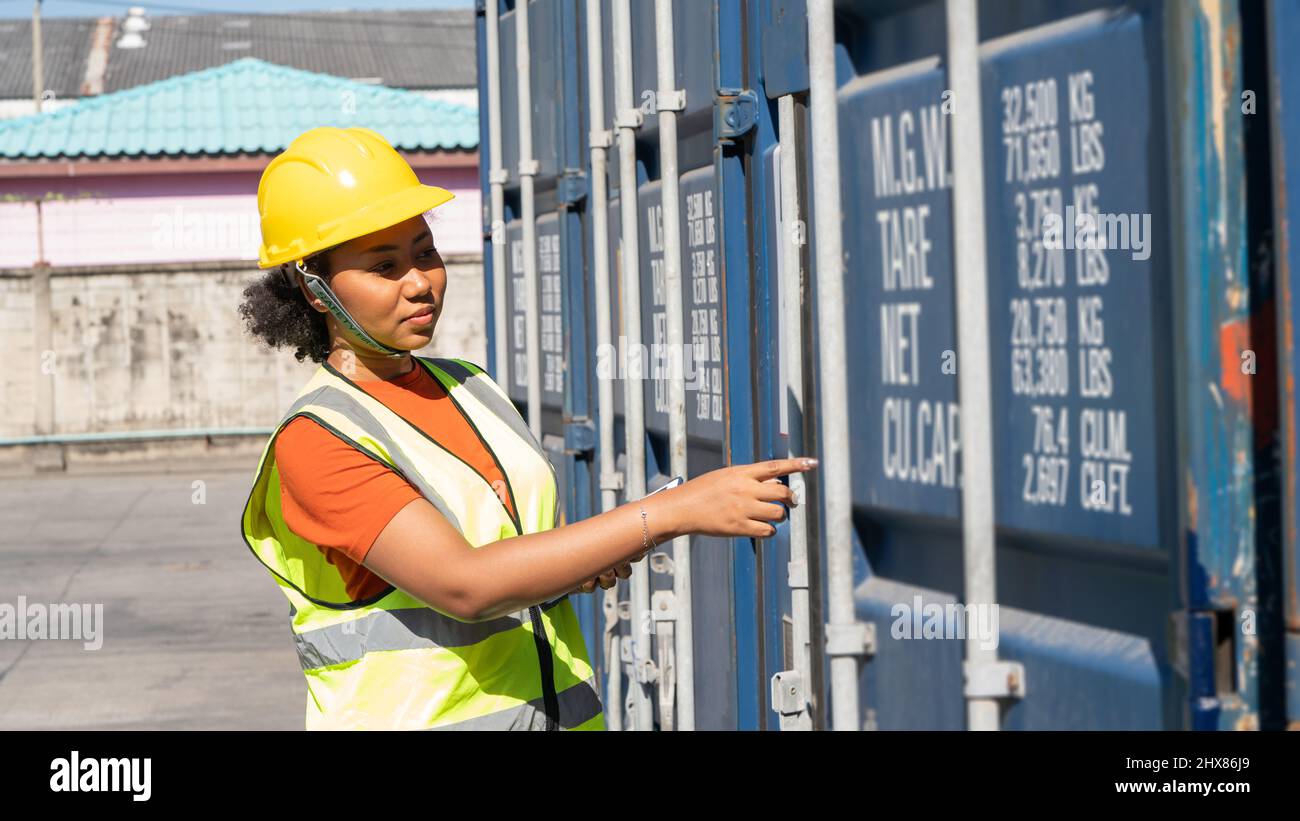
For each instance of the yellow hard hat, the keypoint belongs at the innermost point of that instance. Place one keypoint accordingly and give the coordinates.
(332, 185)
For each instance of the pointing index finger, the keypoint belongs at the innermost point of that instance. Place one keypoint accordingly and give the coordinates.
(781, 467)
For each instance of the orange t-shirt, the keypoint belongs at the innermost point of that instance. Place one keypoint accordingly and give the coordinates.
(341, 499)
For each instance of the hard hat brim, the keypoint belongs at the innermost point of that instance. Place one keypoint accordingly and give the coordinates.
(376, 216)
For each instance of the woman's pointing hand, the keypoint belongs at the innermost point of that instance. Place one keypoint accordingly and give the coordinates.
(740, 500)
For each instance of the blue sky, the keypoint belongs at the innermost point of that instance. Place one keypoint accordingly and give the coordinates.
(110, 8)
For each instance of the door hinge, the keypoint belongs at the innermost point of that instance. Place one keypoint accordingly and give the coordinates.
(999, 679)
(735, 113)
(789, 700)
(571, 188)
(854, 639)
(579, 436)
(664, 607)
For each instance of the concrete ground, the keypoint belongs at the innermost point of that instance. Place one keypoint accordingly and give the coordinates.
(195, 632)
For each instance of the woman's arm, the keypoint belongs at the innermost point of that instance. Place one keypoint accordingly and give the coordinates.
(421, 553)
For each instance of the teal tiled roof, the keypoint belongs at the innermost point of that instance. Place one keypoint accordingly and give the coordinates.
(247, 106)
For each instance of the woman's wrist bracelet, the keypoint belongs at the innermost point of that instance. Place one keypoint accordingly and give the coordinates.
(646, 545)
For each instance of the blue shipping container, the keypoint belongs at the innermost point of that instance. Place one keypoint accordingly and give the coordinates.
(1141, 368)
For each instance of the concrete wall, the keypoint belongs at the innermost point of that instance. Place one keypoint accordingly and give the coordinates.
(161, 347)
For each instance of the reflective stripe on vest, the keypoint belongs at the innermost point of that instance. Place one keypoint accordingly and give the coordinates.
(409, 628)
(579, 710)
(391, 661)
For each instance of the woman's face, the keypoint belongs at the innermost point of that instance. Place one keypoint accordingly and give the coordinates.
(392, 282)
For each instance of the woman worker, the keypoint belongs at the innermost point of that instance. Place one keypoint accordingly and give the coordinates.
(401, 503)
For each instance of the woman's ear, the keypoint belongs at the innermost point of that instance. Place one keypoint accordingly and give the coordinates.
(302, 287)
(287, 277)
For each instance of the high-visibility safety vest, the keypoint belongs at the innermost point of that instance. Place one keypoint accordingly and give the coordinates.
(391, 661)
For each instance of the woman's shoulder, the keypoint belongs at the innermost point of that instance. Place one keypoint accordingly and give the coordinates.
(463, 370)
(308, 454)
(457, 365)
(300, 437)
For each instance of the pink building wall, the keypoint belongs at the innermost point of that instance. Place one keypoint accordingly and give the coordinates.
(177, 218)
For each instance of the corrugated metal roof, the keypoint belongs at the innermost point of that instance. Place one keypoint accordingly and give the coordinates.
(399, 49)
(65, 43)
(247, 106)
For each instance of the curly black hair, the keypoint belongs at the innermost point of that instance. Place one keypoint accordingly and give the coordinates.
(275, 311)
